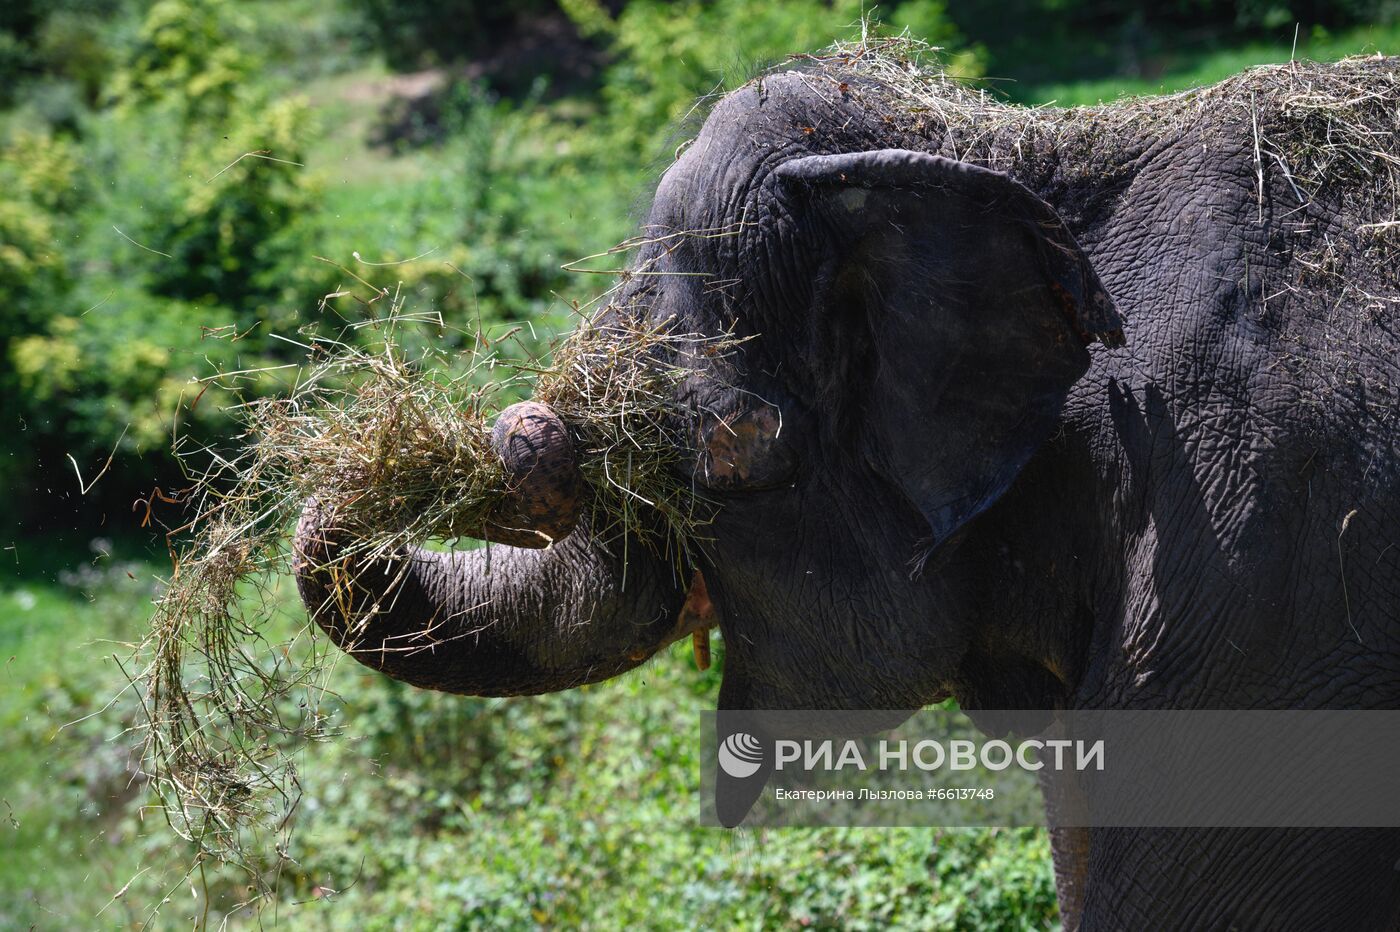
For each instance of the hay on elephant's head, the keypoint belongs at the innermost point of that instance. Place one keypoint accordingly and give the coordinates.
(401, 450)
(1322, 125)
(1315, 146)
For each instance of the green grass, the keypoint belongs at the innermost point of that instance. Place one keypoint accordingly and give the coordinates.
(433, 811)
(1189, 67)
(64, 776)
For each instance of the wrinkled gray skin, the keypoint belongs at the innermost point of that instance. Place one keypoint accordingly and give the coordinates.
(973, 495)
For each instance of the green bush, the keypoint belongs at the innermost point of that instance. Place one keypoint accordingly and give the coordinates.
(418, 33)
(188, 57)
(235, 236)
(176, 216)
(669, 54)
(577, 810)
(76, 46)
(39, 172)
(512, 190)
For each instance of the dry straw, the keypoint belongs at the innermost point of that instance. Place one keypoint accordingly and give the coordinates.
(401, 448)
(1321, 127)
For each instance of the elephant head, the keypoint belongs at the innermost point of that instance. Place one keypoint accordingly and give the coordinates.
(914, 325)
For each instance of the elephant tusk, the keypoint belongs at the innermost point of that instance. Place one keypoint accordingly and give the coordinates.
(698, 616)
(700, 648)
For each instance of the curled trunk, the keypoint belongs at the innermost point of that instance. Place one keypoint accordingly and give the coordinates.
(499, 622)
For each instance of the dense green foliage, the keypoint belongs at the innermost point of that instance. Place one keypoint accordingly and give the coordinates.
(417, 33)
(1108, 48)
(170, 170)
(574, 810)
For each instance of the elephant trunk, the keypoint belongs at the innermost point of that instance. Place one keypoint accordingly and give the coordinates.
(501, 621)
(542, 477)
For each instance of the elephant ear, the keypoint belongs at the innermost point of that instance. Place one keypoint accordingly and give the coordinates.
(973, 306)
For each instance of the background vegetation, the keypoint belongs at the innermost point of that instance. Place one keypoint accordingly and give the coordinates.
(169, 172)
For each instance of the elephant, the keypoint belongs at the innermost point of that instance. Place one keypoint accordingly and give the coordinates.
(1035, 409)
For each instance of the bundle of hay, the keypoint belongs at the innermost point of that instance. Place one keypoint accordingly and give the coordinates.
(404, 454)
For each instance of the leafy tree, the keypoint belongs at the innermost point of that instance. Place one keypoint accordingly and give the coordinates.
(200, 170)
(235, 233)
(38, 173)
(667, 55)
(417, 33)
(187, 55)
